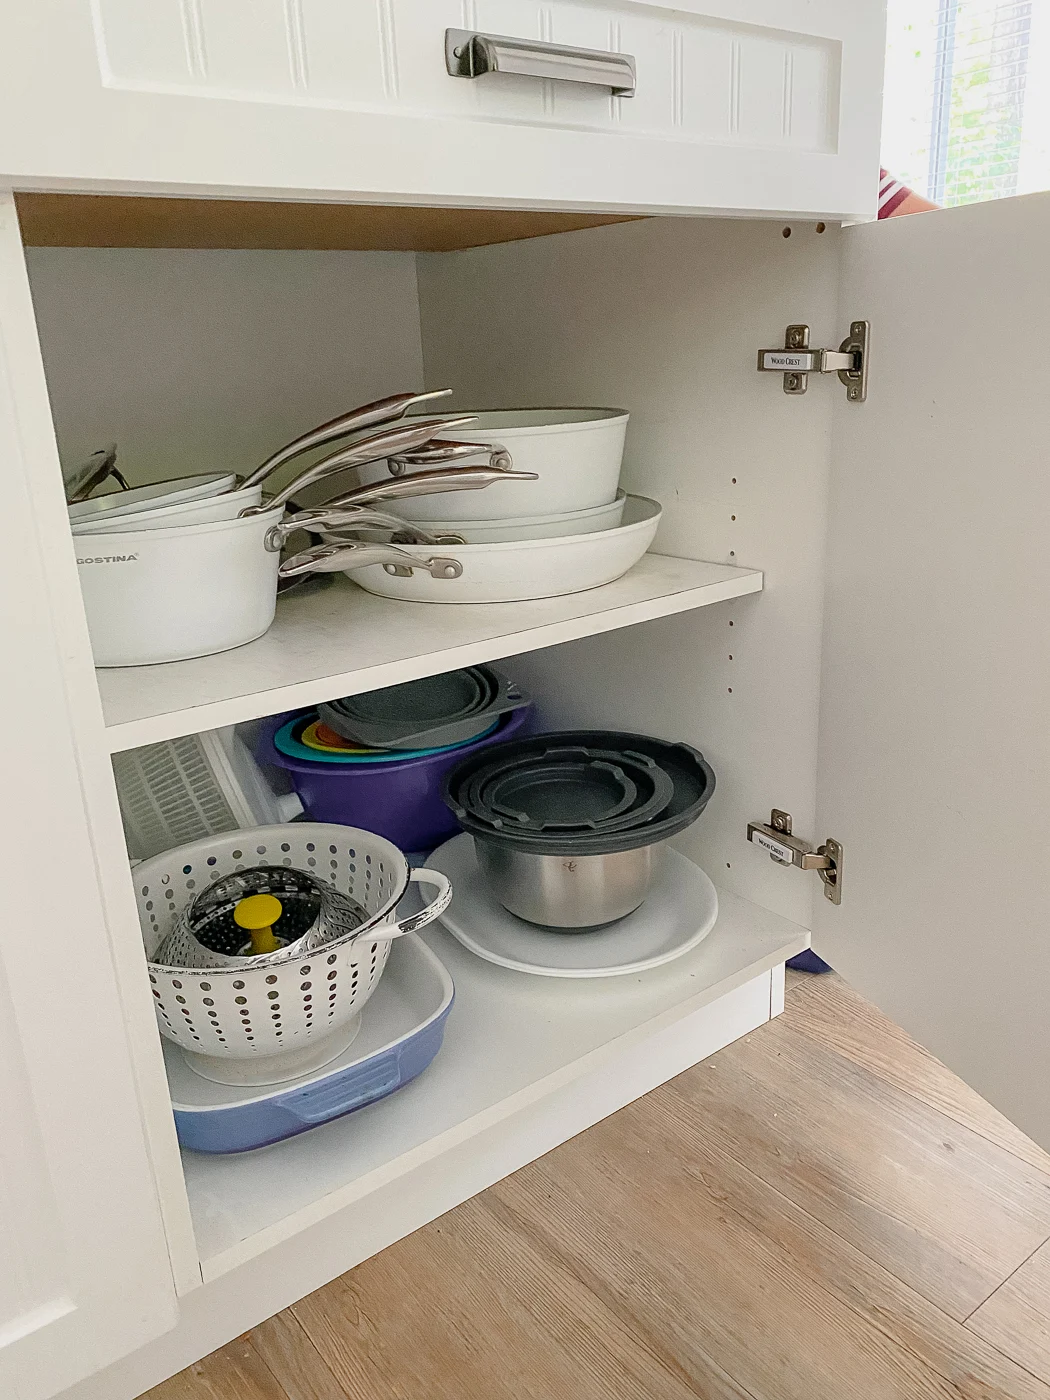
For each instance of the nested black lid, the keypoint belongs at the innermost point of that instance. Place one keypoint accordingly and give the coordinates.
(585, 808)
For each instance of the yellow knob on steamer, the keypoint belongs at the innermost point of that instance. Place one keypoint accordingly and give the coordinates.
(257, 913)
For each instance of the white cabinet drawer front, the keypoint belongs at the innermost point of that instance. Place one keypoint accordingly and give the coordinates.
(702, 76)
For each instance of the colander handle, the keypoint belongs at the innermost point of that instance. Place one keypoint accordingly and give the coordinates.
(429, 912)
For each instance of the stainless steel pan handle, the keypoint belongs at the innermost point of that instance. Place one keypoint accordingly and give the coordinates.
(470, 55)
(424, 483)
(358, 454)
(350, 520)
(369, 415)
(439, 450)
(353, 518)
(336, 558)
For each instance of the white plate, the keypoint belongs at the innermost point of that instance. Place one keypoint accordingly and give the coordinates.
(679, 913)
(157, 493)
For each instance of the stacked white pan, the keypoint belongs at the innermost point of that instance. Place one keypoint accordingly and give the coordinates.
(560, 525)
(189, 567)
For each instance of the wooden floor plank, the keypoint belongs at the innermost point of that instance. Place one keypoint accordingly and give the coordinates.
(827, 1009)
(467, 1309)
(806, 1216)
(687, 1245)
(234, 1372)
(1016, 1318)
(948, 1212)
(293, 1359)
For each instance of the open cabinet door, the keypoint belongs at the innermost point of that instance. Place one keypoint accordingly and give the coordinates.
(934, 769)
(84, 1272)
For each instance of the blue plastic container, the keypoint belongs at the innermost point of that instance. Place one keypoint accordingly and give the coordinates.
(402, 1028)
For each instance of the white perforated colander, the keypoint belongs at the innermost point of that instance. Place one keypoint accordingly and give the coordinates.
(268, 1024)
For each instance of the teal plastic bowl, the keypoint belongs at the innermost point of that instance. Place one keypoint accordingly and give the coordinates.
(287, 742)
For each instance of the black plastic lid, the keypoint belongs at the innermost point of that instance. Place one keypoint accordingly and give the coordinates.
(691, 777)
(492, 793)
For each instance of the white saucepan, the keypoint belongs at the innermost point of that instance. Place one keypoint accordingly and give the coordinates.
(165, 595)
(576, 452)
(171, 594)
(490, 573)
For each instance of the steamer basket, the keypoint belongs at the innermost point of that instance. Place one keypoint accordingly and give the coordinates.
(265, 1025)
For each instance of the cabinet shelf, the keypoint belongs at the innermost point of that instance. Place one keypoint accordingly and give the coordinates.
(341, 640)
(529, 1060)
(135, 221)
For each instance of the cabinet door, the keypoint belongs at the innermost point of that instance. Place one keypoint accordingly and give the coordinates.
(84, 1277)
(935, 718)
(741, 105)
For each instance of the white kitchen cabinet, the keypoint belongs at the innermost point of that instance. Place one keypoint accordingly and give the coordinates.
(843, 609)
(738, 106)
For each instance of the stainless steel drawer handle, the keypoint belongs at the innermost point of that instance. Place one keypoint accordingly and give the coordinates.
(469, 55)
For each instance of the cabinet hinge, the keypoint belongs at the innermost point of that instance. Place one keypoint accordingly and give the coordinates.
(786, 849)
(797, 361)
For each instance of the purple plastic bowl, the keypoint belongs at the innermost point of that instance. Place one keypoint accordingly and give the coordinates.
(401, 801)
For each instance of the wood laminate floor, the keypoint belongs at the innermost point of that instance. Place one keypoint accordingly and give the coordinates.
(818, 1212)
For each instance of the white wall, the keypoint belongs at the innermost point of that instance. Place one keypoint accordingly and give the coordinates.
(665, 318)
(194, 360)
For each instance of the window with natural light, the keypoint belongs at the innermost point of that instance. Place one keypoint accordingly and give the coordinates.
(967, 114)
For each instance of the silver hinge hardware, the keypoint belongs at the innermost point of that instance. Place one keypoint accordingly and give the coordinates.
(776, 839)
(797, 361)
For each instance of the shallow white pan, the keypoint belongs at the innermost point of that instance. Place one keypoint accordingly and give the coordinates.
(576, 452)
(530, 527)
(155, 494)
(204, 511)
(512, 572)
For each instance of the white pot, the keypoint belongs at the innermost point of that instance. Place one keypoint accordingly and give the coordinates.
(576, 452)
(514, 572)
(165, 595)
(170, 517)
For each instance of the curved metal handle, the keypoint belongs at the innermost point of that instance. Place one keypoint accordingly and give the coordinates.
(429, 912)
(359, 454)
(369, 415)
(318, 521)
(470, 55)
(440, 451)
(337, 558)
(351, 519)
(423, 483)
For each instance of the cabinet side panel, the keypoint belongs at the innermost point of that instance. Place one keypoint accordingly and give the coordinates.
(86, 1276)
(664, 318)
